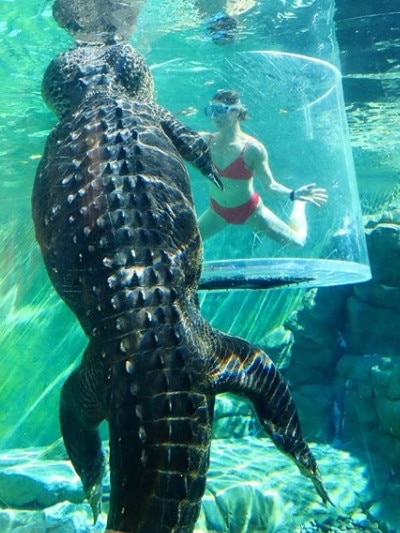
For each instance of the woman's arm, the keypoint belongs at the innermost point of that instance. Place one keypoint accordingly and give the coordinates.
(257, 159)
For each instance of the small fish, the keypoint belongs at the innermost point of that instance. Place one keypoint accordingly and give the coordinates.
(188, 111)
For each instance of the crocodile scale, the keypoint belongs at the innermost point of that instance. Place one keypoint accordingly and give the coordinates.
(115, 221)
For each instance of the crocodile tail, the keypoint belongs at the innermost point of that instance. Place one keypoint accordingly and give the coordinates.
(160, 433)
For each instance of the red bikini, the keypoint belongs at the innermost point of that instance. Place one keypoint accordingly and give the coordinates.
(237, 170)
(238, 214)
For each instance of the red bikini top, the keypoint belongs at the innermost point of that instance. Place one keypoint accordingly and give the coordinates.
(237, 170)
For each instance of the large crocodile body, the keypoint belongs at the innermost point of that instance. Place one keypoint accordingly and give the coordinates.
(115, 221)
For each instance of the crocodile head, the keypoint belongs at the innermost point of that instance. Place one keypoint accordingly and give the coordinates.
(98, 21)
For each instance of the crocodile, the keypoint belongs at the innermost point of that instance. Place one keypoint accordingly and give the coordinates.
(115, 220)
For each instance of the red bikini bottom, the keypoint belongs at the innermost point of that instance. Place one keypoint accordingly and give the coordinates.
(238, 214)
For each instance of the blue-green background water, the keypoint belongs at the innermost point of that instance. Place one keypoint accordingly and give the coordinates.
(40, 340)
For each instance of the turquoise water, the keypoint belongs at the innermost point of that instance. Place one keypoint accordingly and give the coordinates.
(177, 46)
(41, 341)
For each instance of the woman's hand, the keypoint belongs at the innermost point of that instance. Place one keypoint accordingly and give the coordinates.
(310, 193)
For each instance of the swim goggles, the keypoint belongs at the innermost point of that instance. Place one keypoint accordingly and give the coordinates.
(218, 109)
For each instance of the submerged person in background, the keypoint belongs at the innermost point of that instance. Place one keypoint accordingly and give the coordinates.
(238, 157)
(230, 7)
(222, 23)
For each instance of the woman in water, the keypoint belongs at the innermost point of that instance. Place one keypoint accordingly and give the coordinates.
(238, 157)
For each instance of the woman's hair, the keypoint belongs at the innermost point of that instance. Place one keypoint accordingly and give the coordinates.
(230, 97)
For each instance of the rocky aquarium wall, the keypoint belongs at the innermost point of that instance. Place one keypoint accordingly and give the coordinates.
(337, 347)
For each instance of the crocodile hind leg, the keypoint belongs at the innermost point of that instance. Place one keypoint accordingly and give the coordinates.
(244, 369)
(81, 411)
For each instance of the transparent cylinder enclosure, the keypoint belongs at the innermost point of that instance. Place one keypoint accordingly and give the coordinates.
(297, 110)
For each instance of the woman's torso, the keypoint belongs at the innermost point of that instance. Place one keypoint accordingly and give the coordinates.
(236, 174)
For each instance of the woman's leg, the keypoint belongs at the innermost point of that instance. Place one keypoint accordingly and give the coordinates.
(295, 231)
(210, 223)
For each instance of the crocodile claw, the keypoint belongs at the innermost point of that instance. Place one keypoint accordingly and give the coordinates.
(216, 180)
(308, 467)
(94, 498)
(321, 490)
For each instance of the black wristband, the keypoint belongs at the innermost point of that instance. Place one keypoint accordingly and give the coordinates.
(292, 195)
